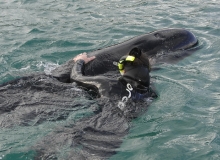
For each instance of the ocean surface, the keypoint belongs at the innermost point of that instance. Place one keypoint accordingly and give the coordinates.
(182, 124)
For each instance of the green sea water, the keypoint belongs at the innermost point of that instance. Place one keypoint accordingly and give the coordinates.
(183, 123)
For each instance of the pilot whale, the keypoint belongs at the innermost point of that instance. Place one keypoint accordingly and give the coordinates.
(35, 99)
(166, 41)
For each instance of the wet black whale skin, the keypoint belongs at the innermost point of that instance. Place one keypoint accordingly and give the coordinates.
(167, 41)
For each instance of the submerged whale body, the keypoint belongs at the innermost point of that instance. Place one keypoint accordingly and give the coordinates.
(169, 40)
(152, 44)
(45, 98)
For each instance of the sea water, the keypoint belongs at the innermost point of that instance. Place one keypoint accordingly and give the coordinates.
(183, 123)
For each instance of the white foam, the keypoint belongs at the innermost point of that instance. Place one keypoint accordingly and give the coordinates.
(47, 66)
